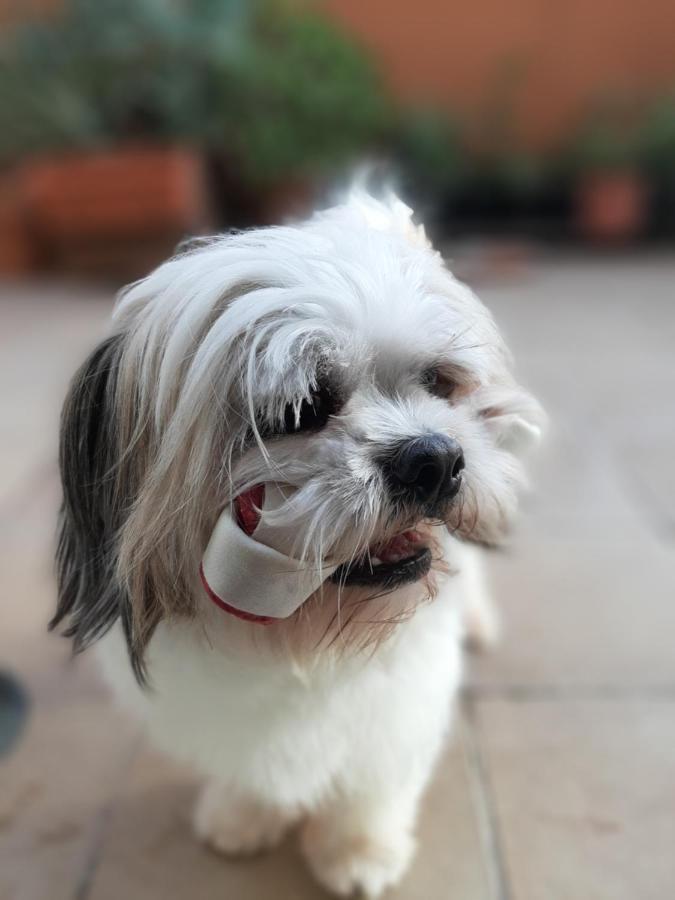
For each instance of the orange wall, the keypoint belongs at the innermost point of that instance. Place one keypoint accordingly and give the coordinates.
(567, 51)
(18, 10)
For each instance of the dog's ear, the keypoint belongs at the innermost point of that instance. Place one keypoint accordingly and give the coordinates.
(90, 598)
(514, 418)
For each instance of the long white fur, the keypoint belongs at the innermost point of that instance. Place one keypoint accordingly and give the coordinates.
(234, 330)
(347, 743)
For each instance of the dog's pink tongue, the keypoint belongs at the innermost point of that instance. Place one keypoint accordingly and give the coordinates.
(247, 508)
(399, 547)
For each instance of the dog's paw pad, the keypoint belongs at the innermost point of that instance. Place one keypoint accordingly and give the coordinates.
(366, 865)
(237, 828)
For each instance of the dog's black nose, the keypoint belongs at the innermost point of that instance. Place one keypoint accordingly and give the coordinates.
(427, 469)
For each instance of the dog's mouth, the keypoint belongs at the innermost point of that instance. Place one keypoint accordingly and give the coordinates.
(402, 560)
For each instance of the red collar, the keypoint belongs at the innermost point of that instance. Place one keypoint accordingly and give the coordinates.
(226, 607)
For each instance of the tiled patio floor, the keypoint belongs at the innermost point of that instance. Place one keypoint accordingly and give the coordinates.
(560, 781)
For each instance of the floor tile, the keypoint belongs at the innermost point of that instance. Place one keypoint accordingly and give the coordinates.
(648, 464)
(579, 613)
(577, 490)
(46, 334)
(584, 794)
(55, 787)
(150, 851)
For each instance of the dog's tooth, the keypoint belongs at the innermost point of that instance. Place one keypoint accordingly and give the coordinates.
(400, 547)
(393, 556)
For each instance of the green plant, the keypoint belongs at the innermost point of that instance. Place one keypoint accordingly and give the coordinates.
(608, 139)
(428, 147)
(658, 137)
(278, 88)
(302, 98)
(108, 70)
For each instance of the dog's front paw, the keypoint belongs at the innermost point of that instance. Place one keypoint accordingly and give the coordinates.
(368, 863)
(236, 826)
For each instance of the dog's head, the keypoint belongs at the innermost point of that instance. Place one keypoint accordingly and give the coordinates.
(339, 356)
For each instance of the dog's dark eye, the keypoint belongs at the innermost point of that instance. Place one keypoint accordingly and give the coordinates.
(313, 413)
(438, 382)
(430, 378)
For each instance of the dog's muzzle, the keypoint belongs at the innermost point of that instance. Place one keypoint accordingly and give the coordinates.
(248, 569)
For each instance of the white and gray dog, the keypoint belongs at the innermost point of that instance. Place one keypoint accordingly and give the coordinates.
(341, 358)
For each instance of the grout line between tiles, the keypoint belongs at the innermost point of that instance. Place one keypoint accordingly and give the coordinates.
(533, 693)
(645, 501)
(101, 825)
(484, 805)
(658, 522)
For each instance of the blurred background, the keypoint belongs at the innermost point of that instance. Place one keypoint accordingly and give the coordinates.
(537, 142)
(127, 124)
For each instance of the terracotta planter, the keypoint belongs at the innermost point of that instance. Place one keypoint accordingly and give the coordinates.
(115, 211)
(286, 200)
(611, 207)
(17, 248)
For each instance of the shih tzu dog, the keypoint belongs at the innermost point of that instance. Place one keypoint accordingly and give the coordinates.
(277, 471)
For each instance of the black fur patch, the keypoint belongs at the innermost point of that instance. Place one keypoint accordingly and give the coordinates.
(90, 597)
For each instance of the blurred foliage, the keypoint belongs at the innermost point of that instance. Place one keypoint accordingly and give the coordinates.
(609, 137)
(111, 70)
(625, 132)
(428, 148)
(276, 92)
(658, 160)
(658, 137)
(304, 98)
(280, 88)
(502, 178)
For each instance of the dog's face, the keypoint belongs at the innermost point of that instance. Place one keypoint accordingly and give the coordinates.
(340, 357)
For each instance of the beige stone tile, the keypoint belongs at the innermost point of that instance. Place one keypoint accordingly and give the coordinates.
(635, 401)
(577, 490)
(150, 851)
(58, 780)
(594, 339)
(46, 333)
(584, 795)
(28, 587)
(452, 861)
(648, 463)
(588, 308)
(42, 661)
(579, 613)
(54, 790)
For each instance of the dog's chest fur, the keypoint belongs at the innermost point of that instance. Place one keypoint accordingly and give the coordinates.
(290, 732)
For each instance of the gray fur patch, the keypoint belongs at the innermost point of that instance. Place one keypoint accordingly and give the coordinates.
(90, 598)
